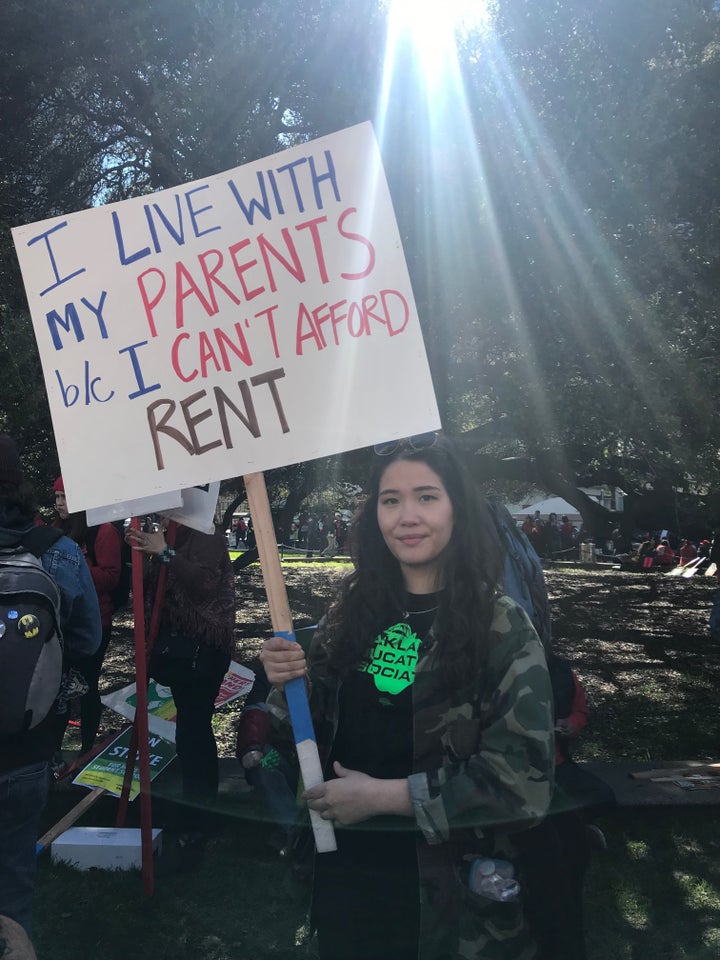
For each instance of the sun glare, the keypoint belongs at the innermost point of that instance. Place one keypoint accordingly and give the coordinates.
(433, 28)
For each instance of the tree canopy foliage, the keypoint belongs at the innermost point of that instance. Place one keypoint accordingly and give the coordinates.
(557, 195)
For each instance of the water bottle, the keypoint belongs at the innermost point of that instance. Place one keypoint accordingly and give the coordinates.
(493, 879)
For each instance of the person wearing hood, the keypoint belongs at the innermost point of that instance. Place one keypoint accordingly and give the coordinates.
(24, 758)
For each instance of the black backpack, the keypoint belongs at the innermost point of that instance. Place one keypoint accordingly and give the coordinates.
(31, 648)
(120, 594)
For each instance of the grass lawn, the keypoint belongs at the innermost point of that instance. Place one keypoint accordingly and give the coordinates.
(641, 648)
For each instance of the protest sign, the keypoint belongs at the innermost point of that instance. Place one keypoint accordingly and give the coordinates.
(161, 707)
(197, 509)
(107, 770)
(123, 509)
(254, 319)
(193, 507)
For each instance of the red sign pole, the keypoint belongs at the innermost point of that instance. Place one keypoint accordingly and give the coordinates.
(139, 745)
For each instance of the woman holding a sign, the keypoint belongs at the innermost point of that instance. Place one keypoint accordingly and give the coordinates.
(433, 714)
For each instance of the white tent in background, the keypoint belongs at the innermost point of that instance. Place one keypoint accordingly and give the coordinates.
(551, 505)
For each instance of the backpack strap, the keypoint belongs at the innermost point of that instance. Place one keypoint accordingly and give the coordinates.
(40, 539)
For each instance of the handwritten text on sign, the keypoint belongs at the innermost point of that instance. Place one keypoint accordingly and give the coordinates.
(251, 320)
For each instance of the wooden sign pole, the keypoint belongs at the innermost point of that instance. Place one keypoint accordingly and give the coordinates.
(69, 819)
(281, 619)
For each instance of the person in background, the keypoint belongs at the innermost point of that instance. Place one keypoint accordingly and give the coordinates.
(619, 542)
(714, 553)
(551, 539)
(536, 536)
(340, 533)
(250, 541)
(102, 548)
(24, 759)
(664, 554)
(579, 797)
(646, 553)
(558, 851)
(272, 775)
(687, 552)
(240, 531)
(191, 655)
(567, 536)
(433, 712)
(331, 547)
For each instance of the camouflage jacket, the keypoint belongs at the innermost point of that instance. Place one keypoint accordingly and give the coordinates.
(482, 769)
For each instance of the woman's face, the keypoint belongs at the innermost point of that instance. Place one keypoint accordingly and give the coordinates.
(415, 517)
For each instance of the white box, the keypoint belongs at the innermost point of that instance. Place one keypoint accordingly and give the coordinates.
(109, 848)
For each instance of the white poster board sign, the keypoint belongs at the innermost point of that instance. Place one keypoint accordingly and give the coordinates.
(254, 319)
(198, 507)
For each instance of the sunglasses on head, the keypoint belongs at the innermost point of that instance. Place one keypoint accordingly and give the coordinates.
(421, 441)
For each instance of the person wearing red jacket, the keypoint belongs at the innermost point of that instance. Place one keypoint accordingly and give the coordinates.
(102, 546)
(664, 554)
(570, 727)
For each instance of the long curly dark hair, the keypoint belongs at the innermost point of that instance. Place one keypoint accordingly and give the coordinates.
(472, 565)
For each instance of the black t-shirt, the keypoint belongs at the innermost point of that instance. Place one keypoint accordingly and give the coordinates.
(375, 730)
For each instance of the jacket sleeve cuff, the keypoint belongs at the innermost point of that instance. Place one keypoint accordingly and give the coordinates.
(429, 813)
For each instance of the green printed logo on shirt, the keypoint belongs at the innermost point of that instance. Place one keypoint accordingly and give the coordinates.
(393, 659)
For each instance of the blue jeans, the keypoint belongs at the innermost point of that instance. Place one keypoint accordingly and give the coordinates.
(23, 793)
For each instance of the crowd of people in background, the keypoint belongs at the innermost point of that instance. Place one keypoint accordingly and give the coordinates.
(661, 549)
(313, 534)
(552, 538)
(317, 534)
(559, 539)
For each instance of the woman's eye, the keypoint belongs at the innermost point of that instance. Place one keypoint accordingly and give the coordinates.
(427, 497)
(388, 501)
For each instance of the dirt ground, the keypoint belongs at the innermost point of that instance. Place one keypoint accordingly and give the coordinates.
(638, 642)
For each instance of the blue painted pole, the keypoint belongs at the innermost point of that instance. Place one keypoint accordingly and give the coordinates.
(295, 693)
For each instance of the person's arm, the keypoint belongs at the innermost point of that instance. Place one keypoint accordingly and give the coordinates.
(509, 776)
(354, 796)
(105, 571)
(79, 609)
(197, 569)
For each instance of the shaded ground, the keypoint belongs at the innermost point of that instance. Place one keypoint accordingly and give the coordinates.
(641, 646)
